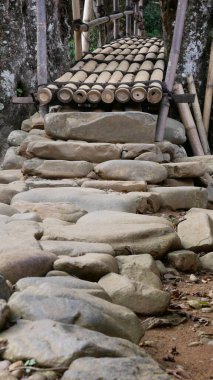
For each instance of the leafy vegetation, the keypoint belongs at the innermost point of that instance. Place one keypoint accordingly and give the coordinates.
(152, 19)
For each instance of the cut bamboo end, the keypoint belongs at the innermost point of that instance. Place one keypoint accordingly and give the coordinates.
(94, 96)
(108, 96)
(80, 96)
(154, 95)
(44, 96)
(65, 95)
(122, 95)
(138, 94)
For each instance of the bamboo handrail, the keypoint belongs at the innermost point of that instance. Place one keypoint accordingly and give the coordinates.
(198, 115)
(100, 21)
(77, 32)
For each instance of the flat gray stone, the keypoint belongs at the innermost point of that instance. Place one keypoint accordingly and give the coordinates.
(155, 239)
(34, 183)
(131, 170)
(76, 307)
(75, 248)
(57, 168)
(19, 263)
(16, 137)
(196, 232)
(184, 197)
(62, 211)
(11, 175)
(88, 199)
(207, 161)
(185, 261)
(30, 216)
(74, 150)
(116, 217)
(185, 169)
(207, 261)
(132, 151)
(135, 295)
(7, 210)
(111, 127)
(115, 368)
(119, 186)
(91, 266)
(175, 131)
(12, 160)
(61, 344)
(7, 191)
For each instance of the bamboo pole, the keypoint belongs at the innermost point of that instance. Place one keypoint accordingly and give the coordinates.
(128, 19)
(172, 67)
(87, 16)
(41, 49)
(141, 19)
(77, 33)
(189, 123)
(122, 94)
(64, 78)
(136, 14)
(94, 95)
(209, 93)
(198, 115)
(100, 21)
(155, 93)
(108, 94)
(45, 94)
(115, 22)
(80, 95)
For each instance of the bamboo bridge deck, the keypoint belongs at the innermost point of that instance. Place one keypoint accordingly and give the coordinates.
(128, 68)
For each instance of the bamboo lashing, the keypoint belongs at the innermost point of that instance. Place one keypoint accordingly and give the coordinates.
(209, 93)
(172, 67)
(198, 115)
(100, 21)
(189, 123)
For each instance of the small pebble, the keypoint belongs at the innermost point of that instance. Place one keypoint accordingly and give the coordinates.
(4, 364)
(194, 344)
(193, 278)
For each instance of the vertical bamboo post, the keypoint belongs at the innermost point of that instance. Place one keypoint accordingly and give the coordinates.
(141, 19)
(41, 50)
(172, 66)
(189, 124)
(136, 17)
(198, 115)
(77, 34)
(116, 22)
(128, 19)
(209, 93)
(87, 16)
(99, 4)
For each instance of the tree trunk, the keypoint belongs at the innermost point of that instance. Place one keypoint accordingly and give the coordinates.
(18, 55)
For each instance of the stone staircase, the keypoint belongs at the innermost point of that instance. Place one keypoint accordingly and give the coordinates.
(84, 201)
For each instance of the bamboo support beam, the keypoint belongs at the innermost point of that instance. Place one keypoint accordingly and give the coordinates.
(136, 14)
(172, 66)
(87, 16)
(141, 30)
(77, 32)
(100, 21)
(198, 115)
(189, 123)
(209, 93)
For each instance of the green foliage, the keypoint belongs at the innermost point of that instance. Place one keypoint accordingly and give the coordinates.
(152, 19)
(71, 49)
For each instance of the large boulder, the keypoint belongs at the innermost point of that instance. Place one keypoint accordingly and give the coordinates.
(116, 217)
(12, 160)
(206, 161)
(75, 248)
(143, 299)
(155, 239)
(102, 127)
(5, 209)
(207, 261)
(184, 197)
(16, 137)
(115, 368)
(185, 169)
(7, 191)
(74, 150)
(54, 345)
(72, 306)
(184, 260)
(131, 170)
(89, 199)
(91, 266)
(11, 175)
(57, 168)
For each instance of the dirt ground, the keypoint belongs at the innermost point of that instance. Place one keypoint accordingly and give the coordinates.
(186, 350)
